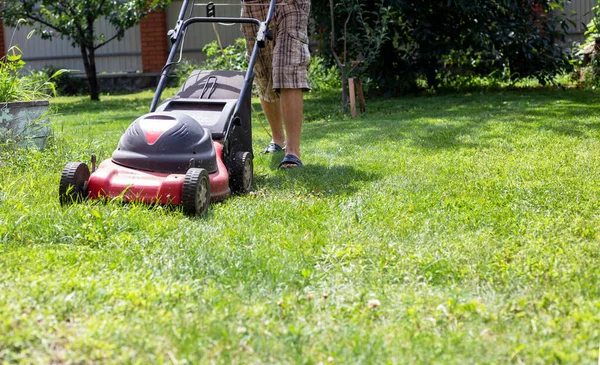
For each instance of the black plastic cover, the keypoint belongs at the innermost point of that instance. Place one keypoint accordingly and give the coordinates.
(167, 142)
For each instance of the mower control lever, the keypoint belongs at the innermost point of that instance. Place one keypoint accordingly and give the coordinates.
(173, 34)
(211, 12)
(263, 35)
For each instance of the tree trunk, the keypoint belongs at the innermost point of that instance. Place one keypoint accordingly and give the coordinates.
(90, 73)
(93, 76)
(345, 95)
(341, 65)
(431, 74)
(88, 52)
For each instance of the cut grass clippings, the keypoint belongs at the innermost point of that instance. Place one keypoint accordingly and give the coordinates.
(440, 229)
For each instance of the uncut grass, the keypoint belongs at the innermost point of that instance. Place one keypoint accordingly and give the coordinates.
(473, 220)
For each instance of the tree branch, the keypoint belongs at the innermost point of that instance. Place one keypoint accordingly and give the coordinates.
(106, 41)
(46, 23)
(335, 55)
(100, 6)
(346, 38)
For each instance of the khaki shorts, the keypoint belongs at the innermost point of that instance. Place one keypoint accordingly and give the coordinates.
(283, 63)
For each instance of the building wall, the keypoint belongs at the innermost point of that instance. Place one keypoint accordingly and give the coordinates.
(116, 56)
(2, 46)
(126, 55)
(579, 12)
(153, 30)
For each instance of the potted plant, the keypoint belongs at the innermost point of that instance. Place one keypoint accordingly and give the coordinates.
(24, 103)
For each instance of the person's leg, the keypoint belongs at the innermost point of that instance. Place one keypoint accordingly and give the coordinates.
(291, 60)
(263, 69)
(292, 109)
(273, 114)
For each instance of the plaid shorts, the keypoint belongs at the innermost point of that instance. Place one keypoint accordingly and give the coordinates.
(283, 63)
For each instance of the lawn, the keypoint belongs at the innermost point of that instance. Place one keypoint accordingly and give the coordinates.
(440, 229)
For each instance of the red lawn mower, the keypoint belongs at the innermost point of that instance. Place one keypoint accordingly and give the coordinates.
(192, 149)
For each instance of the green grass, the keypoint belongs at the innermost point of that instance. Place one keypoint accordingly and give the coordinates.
(474, 220)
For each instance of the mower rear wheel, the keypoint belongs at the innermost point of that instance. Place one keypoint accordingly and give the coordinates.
(195, 194)
(242, 173)
(73, 183)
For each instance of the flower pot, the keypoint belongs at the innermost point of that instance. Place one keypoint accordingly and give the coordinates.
(25, 123)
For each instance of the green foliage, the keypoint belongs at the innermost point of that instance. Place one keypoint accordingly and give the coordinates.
(436, 40)
(357, 39)
(15, 86)
(217, 58)
(362, 34)
(180, 71)
(592, 30)
(323, 77)
(66, 83)
(74, 19)
(589, 75)
(502, 82)
(232, 57)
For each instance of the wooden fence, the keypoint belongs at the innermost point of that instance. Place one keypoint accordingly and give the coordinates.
(580, 13)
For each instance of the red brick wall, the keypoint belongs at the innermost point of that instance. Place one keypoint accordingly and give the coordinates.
(2, 45)
(153, 30)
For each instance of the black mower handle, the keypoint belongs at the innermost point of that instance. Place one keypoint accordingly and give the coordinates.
(176, 36)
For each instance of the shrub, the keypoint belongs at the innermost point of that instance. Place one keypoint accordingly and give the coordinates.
(480, 37)
(66, 84)
(232, 57)
(590, 75)
(180, 72)
(323, 77)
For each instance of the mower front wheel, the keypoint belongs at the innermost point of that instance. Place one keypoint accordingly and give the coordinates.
(73, 183)
(242, 173)
(195, 194)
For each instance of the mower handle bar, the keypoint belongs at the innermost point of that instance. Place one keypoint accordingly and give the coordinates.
(176, 38)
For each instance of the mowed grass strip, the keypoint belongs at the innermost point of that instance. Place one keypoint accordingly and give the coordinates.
(440, 229)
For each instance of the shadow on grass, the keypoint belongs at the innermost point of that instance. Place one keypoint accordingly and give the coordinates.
(316, 179)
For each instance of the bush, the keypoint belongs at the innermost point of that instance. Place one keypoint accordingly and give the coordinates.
(323, 77)
(180, 72)
(232, 57)
(66, 84)
(479, 37)
(590, 75)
